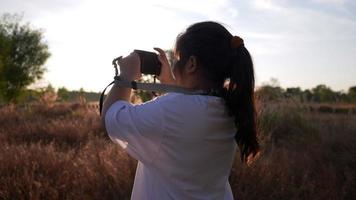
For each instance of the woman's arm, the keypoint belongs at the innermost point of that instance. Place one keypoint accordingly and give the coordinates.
(129, 71)
(116, 93)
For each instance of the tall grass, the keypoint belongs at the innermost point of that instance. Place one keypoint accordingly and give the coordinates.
(306, 155)
(60, 151)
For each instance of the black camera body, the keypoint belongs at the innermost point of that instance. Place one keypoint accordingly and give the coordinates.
(149, 62)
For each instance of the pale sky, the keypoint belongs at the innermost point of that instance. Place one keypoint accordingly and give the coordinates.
(301, 43)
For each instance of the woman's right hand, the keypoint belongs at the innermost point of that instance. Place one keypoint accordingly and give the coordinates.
(130, 67)
(166, 76)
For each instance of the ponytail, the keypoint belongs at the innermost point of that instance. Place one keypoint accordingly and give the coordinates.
(240, 102)
(223, 56)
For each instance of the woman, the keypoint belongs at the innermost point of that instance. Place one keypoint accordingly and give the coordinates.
(186, 144)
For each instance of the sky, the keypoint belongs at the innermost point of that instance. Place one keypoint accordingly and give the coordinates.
(300, 43)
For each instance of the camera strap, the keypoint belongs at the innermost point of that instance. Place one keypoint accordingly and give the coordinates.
(153, 87)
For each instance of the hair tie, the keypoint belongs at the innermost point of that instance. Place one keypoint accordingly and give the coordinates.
(236, 42)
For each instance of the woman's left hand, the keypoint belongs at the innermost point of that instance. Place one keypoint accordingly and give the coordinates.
(130, 67)
(166, 76)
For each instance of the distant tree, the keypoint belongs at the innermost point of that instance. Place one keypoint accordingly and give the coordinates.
(48, 94)
(352, 94)
(307, 95)
(269, 93)
(63, 94)
(322, 93)
(341, 96)
(22, 55)
(295, 93)
(81, 97)
(144, 95)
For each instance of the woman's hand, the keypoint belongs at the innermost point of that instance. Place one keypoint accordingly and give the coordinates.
(130, 67)
(166, 76)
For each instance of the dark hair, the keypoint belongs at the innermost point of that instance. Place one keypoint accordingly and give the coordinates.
(210, 43)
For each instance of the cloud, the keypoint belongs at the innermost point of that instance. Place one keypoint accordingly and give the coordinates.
(266, 5)
(337, 2)
(301, 22)
(199, 10)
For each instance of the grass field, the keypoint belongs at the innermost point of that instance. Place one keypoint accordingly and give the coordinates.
(60, 151)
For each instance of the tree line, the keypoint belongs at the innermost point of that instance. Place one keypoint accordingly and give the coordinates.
(319, 94)
(267, 92)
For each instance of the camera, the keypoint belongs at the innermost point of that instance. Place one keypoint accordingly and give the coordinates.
(149, 62)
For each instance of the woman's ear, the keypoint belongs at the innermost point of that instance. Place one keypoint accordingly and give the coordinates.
(192, 65)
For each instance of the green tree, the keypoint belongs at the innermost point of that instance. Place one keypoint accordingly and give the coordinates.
(352, 94)
(22, 55)
(295, 93)
(270, 91)
(48, 94)
(307, 95)
(341, 96)
(63, 94)
(81, 95)
(322, 93)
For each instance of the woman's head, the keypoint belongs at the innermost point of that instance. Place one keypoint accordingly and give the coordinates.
(207, 51)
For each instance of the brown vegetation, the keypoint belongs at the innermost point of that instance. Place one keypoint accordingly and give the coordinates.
(60, 151)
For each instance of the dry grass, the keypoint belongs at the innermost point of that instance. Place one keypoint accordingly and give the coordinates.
(307, 155)
(60, 151)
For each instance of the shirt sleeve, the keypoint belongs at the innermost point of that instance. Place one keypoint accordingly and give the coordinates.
(136, 128)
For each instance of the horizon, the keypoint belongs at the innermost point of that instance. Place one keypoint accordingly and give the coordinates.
(271, 83)
(301, 44)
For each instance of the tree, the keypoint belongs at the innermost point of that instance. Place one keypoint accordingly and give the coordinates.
(307, 95)
(270, 91)
(322, 93)
(48, 94)
(295, 93)
(81, 97)
(352, 94)
(341, 96)
(63, 94)
(23, 53)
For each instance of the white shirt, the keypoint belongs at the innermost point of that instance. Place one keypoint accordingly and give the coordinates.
(184, 145)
